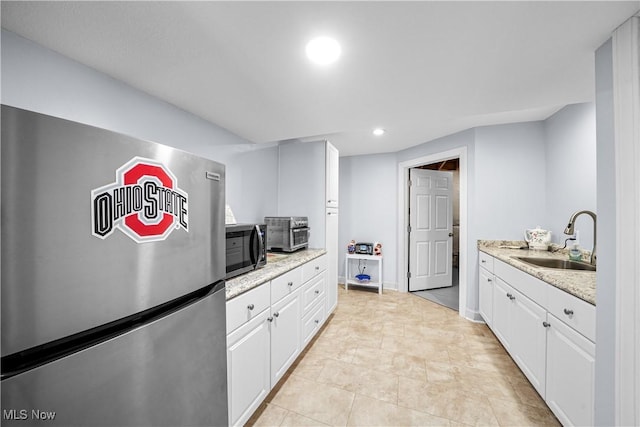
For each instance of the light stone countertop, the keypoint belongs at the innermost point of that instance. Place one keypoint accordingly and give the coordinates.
(277, 264)
(581, 284)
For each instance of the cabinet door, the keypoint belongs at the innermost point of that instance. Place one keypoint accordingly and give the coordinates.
(332, 176)
(286, 336)
(332, 260)
(529, 339)
(570, 374)
(248, 368)
(502, 303)
(485, 294)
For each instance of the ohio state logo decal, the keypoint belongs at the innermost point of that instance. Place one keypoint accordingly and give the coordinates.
(144, 202)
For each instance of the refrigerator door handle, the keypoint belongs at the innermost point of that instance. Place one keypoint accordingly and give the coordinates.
(28, 359)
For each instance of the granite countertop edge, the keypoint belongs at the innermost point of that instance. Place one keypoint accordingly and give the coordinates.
(581, 284)
(283, 263)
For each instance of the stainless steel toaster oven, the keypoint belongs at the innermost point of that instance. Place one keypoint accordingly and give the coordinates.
(287, 233)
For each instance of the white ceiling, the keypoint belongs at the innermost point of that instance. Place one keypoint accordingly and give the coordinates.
(420, 69)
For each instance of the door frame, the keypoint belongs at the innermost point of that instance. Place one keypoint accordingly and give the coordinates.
(403, 216)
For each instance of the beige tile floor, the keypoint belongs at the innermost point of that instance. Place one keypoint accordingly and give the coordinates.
(398, 360)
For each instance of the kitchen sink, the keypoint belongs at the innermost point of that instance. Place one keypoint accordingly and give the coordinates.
(562, 264)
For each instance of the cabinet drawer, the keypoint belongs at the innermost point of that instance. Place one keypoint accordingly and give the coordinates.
(311, 322)
(313, 268)
(312, 291)
(246, 306)
(525, 283)
(284, 285)
(578, 314)
(485, 261)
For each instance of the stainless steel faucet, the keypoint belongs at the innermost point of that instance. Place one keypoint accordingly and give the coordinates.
(570, 231)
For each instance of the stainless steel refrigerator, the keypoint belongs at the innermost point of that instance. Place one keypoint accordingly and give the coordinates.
(113, 266)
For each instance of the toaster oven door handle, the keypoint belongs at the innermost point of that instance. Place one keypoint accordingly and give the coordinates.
(260, 245)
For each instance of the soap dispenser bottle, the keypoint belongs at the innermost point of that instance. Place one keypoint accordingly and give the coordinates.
(575, 254)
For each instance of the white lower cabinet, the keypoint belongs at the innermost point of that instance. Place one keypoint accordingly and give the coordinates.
(518, 324)
(267, 328)
(570, 374)
(501, 315)
(248, 367)
(548, 333)
(285, 335)
(485, 295)
(529, 343)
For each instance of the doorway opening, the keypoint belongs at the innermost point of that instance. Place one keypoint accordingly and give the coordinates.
(441, 287)
(459, 153)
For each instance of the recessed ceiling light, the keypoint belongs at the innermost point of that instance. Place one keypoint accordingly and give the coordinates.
(378, 131)
(323, 50)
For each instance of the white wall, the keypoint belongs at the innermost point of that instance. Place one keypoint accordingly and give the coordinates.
(302, 180)
(509, 180)
(368, 202)
(570, 136)
(38, 79)
(252, 181)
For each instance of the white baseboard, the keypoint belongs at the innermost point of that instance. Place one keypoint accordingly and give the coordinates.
(474, 316)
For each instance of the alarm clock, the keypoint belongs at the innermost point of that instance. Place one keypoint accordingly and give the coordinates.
(364, 248)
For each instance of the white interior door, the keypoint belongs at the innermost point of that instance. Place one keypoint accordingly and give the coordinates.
(431, 229)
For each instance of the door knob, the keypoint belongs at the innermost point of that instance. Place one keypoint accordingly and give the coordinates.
(450, 234)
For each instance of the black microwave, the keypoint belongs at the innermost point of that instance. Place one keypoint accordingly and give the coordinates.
(246, 248)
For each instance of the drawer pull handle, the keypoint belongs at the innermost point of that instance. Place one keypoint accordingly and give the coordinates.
(568, 312)
(317, 291)
(270, 319)
(276, 314)
(251, 306)
(511, 297)
(290, 284)
(317, 321)
(489, 280)
(483, 261)
(546, 324)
